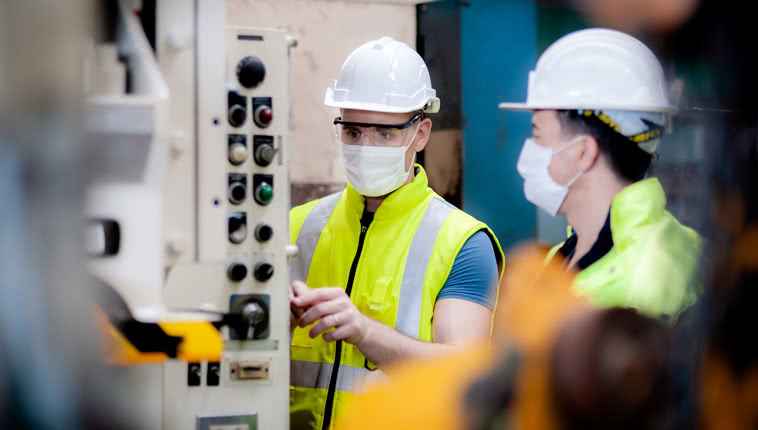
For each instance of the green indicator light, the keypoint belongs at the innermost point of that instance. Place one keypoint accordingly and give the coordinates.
(264, 193)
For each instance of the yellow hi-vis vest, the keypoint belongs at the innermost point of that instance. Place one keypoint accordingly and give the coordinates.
(406, 257)
(653, 265)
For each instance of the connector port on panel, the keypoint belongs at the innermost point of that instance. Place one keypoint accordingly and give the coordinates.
(247, 370)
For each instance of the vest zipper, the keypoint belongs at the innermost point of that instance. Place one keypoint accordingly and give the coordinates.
(366, 219)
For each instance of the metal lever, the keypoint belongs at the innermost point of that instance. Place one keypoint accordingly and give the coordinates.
(252, 314)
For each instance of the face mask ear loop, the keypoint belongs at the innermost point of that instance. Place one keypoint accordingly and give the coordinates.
(567, 146)
(571, 143)
(408, 172)
(574, 179)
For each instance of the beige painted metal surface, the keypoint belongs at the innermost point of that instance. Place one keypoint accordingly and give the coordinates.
(327, 32)
(129, 130)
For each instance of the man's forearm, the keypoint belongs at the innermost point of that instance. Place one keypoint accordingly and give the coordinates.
(456, 321)
(383, 344)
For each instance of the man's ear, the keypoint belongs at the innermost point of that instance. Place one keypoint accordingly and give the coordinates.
(423, 134)
(590, 152)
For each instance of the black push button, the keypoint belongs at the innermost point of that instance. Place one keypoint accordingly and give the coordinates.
(263, 232)
(251, 71)
(237, 105)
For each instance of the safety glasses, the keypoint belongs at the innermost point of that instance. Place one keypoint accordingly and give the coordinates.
(361, 133)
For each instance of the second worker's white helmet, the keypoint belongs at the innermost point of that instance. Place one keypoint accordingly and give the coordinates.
(597, 69)
(605, 73)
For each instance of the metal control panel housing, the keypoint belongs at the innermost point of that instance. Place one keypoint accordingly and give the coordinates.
(247, 159)
(257, 69)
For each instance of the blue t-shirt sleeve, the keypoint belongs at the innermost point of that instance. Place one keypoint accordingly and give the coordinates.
(474, 275)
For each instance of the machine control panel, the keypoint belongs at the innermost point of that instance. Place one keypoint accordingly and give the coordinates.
(222, 230)
(252, 168)
(248, 288)
(256, 276)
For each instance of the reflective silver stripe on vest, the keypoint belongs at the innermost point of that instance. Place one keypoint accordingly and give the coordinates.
(308, 236)
(308, 374)
(412, 288)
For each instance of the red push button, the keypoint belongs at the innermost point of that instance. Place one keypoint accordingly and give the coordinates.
(263, 116)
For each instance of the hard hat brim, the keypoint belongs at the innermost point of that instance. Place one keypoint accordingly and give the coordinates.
(429, 106)
(531, 107)
(518, 107)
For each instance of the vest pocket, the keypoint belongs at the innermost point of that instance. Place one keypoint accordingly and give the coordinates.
(302, 339)
(375, 302)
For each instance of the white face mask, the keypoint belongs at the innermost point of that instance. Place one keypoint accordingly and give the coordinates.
(376, 170)
(539, 186)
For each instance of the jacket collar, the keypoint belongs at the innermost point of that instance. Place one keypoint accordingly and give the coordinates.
(636, 206)
(599, 249)
(398, 203)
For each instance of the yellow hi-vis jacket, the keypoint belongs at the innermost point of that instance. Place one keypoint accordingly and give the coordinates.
(654, 263)
(402, 261)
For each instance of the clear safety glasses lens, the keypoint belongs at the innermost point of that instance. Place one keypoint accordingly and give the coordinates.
(377, 136)
(356, 133)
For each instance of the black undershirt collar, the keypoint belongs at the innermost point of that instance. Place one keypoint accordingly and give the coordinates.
(602, 246)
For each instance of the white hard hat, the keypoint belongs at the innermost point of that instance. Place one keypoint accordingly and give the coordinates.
(597, 69)
(384, 75)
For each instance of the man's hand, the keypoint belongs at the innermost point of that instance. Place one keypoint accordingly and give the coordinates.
(380, 343)
(295, 312)
(333, 308)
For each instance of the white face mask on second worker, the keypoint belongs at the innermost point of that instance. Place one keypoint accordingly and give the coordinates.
(539, 187)
(376, 170)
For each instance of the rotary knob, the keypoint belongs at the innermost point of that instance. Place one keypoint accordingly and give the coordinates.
(264, 155)
(236, 272)
(263, 272)
(250, 72)
(253, 314)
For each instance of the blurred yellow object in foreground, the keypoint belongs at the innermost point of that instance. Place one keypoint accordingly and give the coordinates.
(534, 300)
(190, 341)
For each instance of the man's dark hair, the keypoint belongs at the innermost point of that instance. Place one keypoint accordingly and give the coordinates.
(627, 160)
